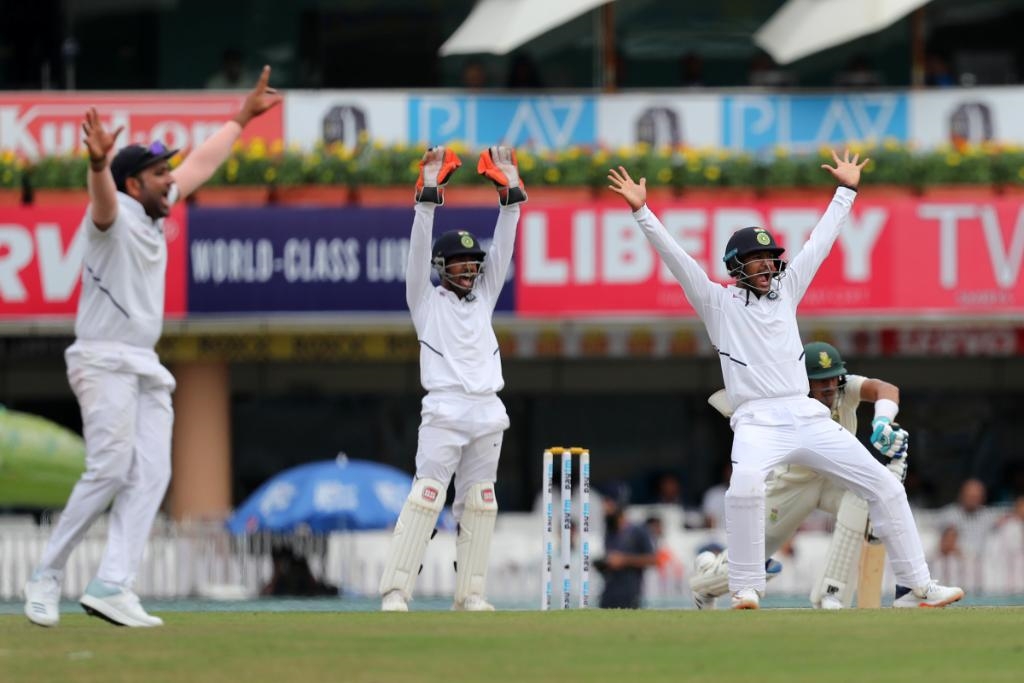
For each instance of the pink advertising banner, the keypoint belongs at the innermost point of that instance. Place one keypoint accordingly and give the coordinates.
(41, 252)
(947, 255)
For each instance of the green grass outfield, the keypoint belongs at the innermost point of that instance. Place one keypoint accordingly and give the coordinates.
(965, 645)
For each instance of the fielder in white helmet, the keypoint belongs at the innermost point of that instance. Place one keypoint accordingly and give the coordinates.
(463, 420)
(795, 491)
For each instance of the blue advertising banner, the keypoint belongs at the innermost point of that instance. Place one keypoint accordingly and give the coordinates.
(282, 259)
(541, 122)
(803, 123)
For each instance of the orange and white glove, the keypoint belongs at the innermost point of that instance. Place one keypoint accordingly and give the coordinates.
(436, 168)
(500, 165)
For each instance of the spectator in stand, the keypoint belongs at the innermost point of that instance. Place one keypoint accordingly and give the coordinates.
(475, 76)
(523, 73)
(691, 70)
(937, 73)
(859, 73)
(970, 517)
(232, 74)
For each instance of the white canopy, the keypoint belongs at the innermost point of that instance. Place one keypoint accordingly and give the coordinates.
(803, 27)
(500, 26)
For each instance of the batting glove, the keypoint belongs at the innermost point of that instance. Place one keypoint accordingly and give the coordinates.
(500, 165)
(888, 438)
(436, 168)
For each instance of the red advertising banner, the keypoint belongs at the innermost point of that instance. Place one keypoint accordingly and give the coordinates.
(952, 256)
(41, 252)
(35, 124)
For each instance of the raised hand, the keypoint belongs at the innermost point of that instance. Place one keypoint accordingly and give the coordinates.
(259, 100)
(621, 184)
(436, 168)
(847, 170)
(97, 140)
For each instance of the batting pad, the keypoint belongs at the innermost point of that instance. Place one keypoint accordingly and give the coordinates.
(843, 552)
(412, 533)
(472, 550)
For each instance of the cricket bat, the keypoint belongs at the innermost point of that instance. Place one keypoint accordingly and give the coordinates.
(869, 580)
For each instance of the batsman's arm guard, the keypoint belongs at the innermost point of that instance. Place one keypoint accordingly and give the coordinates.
(436, 169)
(415, 526)
(473, 547)
(839, 574)
(500, 166)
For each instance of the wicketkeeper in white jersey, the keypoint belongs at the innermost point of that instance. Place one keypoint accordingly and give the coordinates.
(752, 325)
(463, 420)
(794, 491)
(122, 389)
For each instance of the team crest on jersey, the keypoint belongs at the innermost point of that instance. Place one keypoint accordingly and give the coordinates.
(467, 240)
(773, 516)
(824, 361)
(763, 238)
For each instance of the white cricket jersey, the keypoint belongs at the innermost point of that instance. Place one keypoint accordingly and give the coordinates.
(458, 347)
(756, 338)
(123, 273)
(846, 409)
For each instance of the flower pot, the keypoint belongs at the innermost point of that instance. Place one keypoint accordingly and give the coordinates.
(234, 195)
(60, 197)
(10, 197)
(311, 195)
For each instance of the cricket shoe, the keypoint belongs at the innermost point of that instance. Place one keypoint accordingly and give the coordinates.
(746, 598)
(473, 603)
(42, 595)
(929, 595)
(394, 601)
(116, 604)
(831, 601)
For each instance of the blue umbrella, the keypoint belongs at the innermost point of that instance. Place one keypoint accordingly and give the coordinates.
(328, 495)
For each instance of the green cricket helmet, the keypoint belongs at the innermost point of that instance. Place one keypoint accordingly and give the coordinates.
(823, 361)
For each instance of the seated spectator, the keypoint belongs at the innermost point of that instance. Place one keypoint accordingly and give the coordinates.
(691, 70)
(937, 73)
(859, 73)
(475, 76)
(523, 73)
(969, 516)
(232, 74)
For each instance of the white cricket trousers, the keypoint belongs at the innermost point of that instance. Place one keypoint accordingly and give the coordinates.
(799, 430)
(460, 435)
(125, 398)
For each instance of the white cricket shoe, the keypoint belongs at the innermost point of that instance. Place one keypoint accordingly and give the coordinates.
(831, 602)
(394, 601)
(746, 598)
(42, 596)
(930, 595)
(473, 603)
(704, 601)
(116, 604)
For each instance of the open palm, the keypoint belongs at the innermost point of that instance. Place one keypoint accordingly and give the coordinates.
(97, 139)
(847, 170)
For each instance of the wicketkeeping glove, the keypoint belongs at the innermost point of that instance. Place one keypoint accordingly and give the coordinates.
(888, 438)
(500, 165)
(436, 168)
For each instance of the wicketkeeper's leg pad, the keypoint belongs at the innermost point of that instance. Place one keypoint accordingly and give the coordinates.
(839, 575)
(472, 549)
(413, 531)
